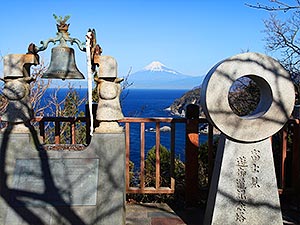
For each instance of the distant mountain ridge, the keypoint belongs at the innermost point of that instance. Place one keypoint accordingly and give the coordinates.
(158, 76)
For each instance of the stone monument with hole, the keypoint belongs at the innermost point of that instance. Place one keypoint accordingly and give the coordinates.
(243, 188)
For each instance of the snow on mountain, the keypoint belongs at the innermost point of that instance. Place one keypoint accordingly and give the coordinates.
(157, 66)
(158, 76)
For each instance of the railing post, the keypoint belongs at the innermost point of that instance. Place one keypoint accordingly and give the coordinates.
(127, 147)
(57, 132)
(210, 143)
(283, 157)
(42, 130)
(191, 155)
(72, 132)
(157, 157)
(142, 166)
(296, 159)
(172, 149)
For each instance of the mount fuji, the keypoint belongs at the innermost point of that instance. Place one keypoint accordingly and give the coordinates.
(158, 76)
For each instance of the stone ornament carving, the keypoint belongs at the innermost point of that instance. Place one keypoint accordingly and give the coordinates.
(109, 108)
(109, 89)
(16, 89)
(243, 189)
(107, 67)
(19, 107)
(18, 65)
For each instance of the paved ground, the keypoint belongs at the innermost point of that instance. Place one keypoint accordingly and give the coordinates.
(162, 214)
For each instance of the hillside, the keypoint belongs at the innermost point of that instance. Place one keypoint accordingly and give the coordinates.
(178, 107)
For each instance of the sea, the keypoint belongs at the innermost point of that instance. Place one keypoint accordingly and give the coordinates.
(144, 103)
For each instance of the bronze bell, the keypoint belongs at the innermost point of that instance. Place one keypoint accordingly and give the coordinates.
(62, 65)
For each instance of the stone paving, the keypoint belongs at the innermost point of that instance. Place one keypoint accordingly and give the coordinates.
(162, 214)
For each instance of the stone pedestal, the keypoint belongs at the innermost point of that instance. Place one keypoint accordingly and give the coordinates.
(62, 187)
(111, 203)
(244, 188)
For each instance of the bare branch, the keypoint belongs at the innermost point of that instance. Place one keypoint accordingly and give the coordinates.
(38, 89)
(278, 6)
(125, 85)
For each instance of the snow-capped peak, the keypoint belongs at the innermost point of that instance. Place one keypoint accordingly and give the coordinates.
(157, 66)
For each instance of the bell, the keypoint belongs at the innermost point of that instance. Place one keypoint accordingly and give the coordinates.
(62, 65)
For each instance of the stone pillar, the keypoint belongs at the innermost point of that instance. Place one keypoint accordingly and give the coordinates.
(17, 90)
(243, 188)
(111, 189)
(109, 90)
(112, 150)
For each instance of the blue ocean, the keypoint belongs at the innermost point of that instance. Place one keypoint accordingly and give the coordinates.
(149, 104)
(146, 104)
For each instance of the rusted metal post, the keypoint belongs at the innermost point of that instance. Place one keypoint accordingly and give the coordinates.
(210, 143)
(284, 158)
(57, 132)
(127, 147)
(296, 159)
(142, 176)
(157, 156)
(191, 155)
(172, 149)
(42, 131)
(73, 130)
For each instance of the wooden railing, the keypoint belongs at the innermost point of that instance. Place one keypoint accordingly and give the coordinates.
(142, 188)
(57, 125)
(287, 161)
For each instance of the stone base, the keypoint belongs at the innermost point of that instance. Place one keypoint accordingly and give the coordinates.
(62, 187)
(109, 127)
(19, 128)
(244, 188)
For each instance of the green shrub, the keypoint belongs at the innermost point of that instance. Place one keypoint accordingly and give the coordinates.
(203, 162)
(165, 175)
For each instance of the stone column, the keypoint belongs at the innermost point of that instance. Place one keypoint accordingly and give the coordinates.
(17, 90)
(243, 188)
(111, 189)
(112, 150)
(109, 90)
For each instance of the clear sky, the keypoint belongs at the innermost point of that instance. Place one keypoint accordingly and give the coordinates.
(189, 36)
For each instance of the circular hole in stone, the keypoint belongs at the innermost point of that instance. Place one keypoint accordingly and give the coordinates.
(250, 96)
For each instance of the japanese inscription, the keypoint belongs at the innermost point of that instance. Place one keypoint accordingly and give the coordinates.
(246, 168)
(255, 158)
(241, 186)
(77, 180)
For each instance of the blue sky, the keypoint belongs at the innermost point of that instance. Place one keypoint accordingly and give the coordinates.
(189, 36)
